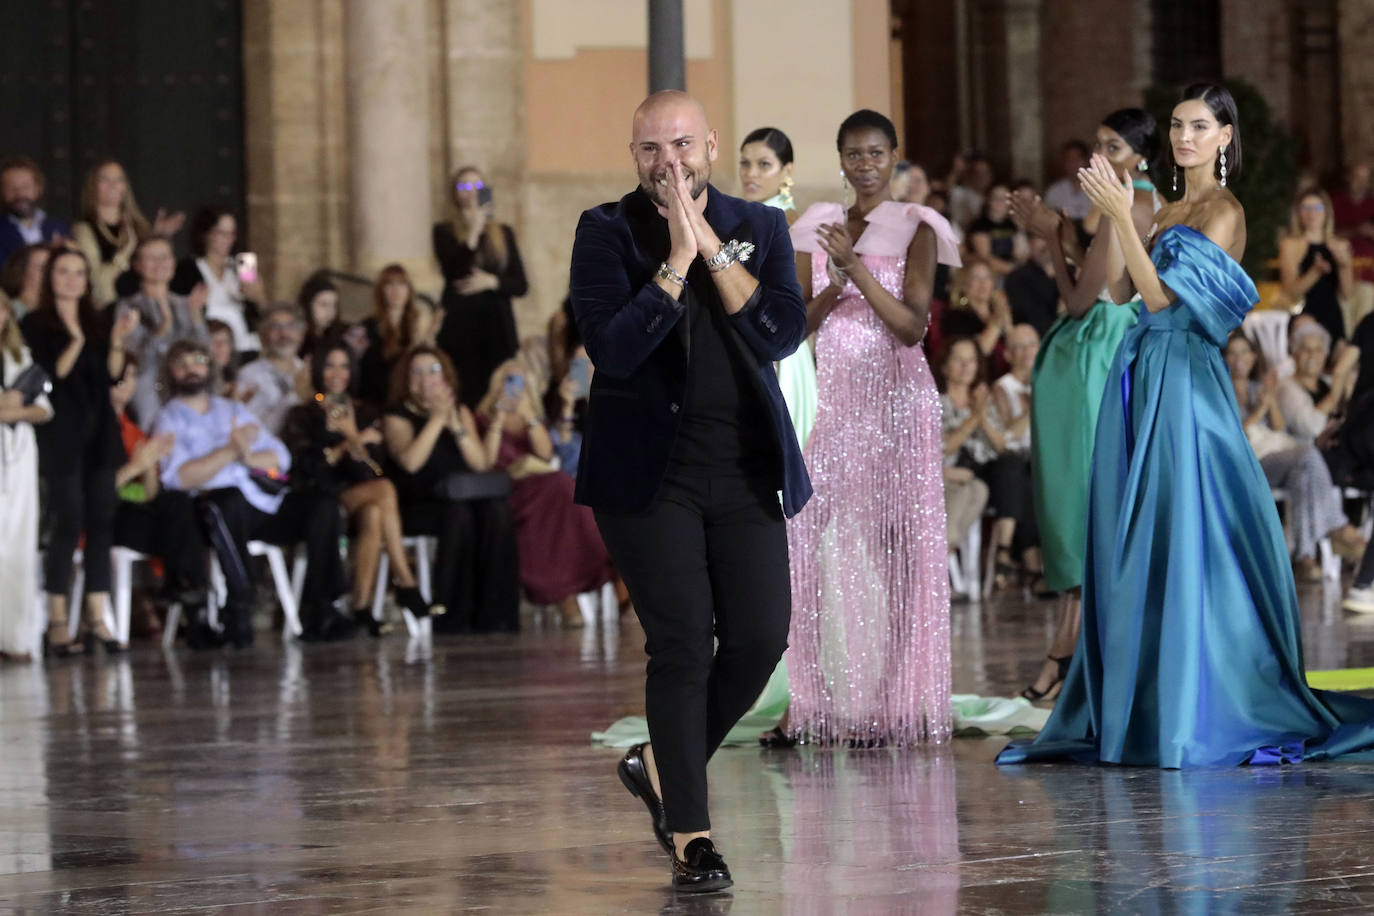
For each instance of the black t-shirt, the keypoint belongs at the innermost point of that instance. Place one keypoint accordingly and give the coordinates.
(1033, 296)
(1002, 235)
(725, 429)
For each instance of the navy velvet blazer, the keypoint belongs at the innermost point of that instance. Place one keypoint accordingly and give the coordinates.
(637, 337)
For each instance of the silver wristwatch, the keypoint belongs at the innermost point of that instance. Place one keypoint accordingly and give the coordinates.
(732, 251)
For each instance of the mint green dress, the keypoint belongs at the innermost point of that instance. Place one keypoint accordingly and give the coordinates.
(1066, 389)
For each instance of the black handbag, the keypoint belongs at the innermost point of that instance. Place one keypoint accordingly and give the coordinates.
(472, 485)
(32, 382)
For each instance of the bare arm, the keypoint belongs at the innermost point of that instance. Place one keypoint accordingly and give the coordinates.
(905, 317)
(982, 246)
(410, 449)
(1296, 284)
(817, 307)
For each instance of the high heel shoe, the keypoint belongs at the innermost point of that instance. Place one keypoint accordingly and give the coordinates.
(363, 620)
(1056, 685)
(94, 631)
(409, 597)
(65, 647)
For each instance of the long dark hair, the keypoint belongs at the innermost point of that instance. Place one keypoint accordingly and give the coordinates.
(1223, 107)
(87, 315)
(1138, 128)
(774, 139)
(322, 353)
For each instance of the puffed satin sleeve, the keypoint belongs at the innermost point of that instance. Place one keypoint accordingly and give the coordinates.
(892, 225)
(803, 231)
(1214, 288)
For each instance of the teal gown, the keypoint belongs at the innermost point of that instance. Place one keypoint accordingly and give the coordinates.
(1191, 649)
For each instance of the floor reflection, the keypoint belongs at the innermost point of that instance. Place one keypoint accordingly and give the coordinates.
(444, 774)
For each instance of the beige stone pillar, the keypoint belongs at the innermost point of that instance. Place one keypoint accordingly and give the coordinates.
(388, 131)
(1355, 32)
(483, 67)
(1024, 111)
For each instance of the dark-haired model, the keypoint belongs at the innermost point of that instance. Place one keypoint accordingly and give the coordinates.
(1191, 648)
(1071, 370)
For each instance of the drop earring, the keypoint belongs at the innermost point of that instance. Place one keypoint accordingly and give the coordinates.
(1175, 179)
(844, 184)
(1223, 168)
(785, 194)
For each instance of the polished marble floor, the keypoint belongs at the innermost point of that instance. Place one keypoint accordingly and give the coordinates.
(387, 777)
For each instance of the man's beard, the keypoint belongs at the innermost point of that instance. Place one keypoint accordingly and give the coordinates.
(188, 388)
(660, 193)
(22, 207)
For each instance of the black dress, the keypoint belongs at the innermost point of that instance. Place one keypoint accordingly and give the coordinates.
(476, 573)
(1321, 301)
(374, 368)
(305, 432)
(478, 332)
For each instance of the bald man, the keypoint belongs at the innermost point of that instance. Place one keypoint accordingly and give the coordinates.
(685, 297)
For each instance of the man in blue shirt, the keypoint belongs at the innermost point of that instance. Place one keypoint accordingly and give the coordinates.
(25, 222)
(235, 467)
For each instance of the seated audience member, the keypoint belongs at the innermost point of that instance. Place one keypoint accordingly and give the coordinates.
(560, 548)
(22, 407)
(565, 398)
(979, 310)
(910, 183)
(222, 455)
(25, 222)
(1315, 264)
(435, 451)
(1031, 289)
(969, 182)
(994, 237)
(1353, 208)
(399, 321)
(79, 449)
(1308, 399)
(483, 272)
(224, 361)
(974, 438)
(336, 448)
(271, 384)
(150, 519)
(1065, 195)
(110, 229)
(233, 296)
(22, 277)
(163, 319)
(318, 302)
(1011, 393)
(1314, 503)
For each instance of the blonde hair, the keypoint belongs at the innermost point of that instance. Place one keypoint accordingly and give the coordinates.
(491, 251)
(11, 339)
(1295, 228)
(129, 213)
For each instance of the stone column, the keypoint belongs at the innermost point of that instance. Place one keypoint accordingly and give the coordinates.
(667, 60)
(388, 131)
(1024, 112)
(1355, 32)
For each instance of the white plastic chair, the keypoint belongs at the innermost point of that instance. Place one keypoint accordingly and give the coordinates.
(1329, 560)
(276, 563)
(964, 575)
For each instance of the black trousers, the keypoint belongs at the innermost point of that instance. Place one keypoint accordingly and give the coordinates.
(166, 527)
(1008, 477)
(707, 563)
(476, 573)
(80, 502)
(311, 516)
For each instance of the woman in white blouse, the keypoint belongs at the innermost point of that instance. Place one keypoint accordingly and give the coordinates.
(19, 601)
(232, 299)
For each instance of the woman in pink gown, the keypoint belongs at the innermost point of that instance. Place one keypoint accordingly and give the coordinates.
(870, 652)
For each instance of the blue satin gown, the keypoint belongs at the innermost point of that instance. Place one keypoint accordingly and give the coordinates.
(1191, 652)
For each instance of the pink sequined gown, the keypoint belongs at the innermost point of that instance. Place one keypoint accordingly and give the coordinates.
(870, 646)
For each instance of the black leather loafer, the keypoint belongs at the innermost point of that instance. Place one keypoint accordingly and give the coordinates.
(701, 869)
(635, 775)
